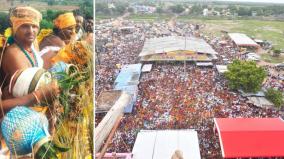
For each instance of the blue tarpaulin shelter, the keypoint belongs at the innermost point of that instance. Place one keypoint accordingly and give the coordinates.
(128, 80)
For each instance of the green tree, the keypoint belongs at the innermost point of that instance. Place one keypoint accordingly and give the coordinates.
(159, 10)
(275, 96)
(177, 8)
(4, 21)
(51, 2)
(87, 8)
(45, 24)
(268, 12)
(102, 8)
(245, 75)
(130, 10)
(244, 11)
(120, 8)
(50, 15)
(196, 10)
(258, 10)
(276, 52)
(233, 8)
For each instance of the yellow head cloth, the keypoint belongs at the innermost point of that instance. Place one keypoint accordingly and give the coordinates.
(24, 15)
(2, 42)
(64, 21)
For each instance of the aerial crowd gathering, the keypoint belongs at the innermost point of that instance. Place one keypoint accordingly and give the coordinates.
(31, 60)
(174, 95)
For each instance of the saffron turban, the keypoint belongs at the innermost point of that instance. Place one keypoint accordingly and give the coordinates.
(64, 21)
(24, 15)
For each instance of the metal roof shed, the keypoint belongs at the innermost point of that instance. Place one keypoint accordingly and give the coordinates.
(161, 144)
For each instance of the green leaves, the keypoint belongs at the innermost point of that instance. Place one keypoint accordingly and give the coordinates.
(177, 8)
(67, 83)
(245, 75)
(49, 150)
(275, 96)
(70, 81)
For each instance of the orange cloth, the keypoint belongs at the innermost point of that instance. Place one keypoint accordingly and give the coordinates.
(2, 41)
(64, 21)
(78, 52)
(64, 54)
(42, 34)
(24, 15)
(40, 109)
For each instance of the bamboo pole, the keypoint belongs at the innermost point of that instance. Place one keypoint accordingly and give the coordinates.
(105, 126)
(110, 137)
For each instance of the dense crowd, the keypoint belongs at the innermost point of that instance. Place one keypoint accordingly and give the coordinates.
(117, 49)
(172, 96)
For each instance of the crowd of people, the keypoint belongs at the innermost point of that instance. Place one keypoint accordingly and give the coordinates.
(172, 96)
(275, 78)
(115, 49)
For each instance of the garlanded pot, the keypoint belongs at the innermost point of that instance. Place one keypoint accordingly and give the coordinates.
(26, 81)
(26, 131)
(22, 128)
(62, 67)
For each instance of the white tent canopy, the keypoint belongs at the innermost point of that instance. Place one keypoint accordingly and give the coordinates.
(161, 144)
(206, 64)
(222, 68)
(175, 43)
(242, 39)
(147, 68)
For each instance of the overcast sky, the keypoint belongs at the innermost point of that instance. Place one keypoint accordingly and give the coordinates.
(266, 1)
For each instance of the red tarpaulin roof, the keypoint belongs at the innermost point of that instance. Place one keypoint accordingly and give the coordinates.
(251, 137)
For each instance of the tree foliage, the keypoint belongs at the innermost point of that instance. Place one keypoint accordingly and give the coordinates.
(275, 96)
(244, 11)
(233, 8)
(45, 24)
(51, 2)
(120, 8)
(159, 10)
(245, 75)
(130, 10)
(50, 15)
(276, 52)
(197, 9)
(177, 8)
(87, 9)
(5, 23)
(103, 8)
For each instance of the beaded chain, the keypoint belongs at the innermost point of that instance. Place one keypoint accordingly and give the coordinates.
(29, 57)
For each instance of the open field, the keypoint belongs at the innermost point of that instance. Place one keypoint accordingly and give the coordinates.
(261, 29)
(267, 30)
(101, 17)
(271, 59)
(149, 17)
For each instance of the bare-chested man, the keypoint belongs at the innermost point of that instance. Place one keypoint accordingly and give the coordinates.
(21, 54)
(63, 32)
